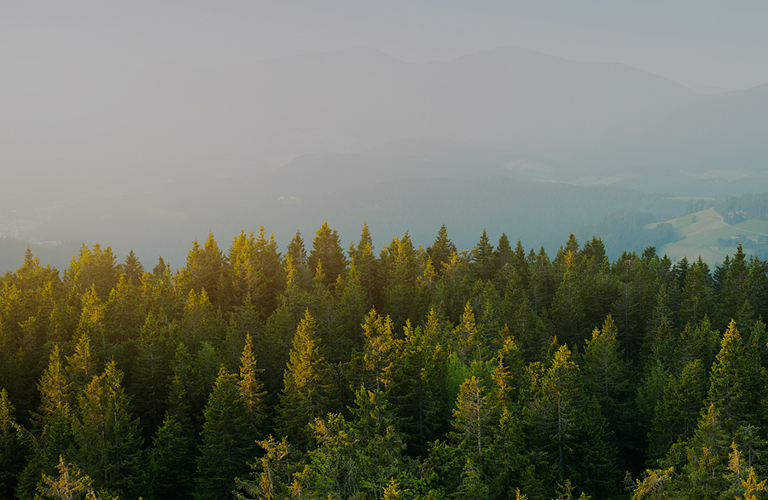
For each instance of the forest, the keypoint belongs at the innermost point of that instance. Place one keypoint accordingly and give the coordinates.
(320, 372)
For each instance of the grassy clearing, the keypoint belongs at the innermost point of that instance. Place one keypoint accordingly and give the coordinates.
(755, 226)
(701, 232)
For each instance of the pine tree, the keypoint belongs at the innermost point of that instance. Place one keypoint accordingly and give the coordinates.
(304, 396)
(471, 419)
(677, 413)
(251, 388)
(227, 440)
(441, 250)
(170, 460)
(729, 381)
(326, 248)
(483, 259)
(132, 269)
(71, 484)
(607, 378)
(12, 449)
(107, 438)
(53, 421)
(366, 265)
(401, 268)
(419, 386)
(173, 452)
(472, 486)
(505, 259)
(272, 473)
(150, 374)
(523, 322)
(203, 270)
(568, 425)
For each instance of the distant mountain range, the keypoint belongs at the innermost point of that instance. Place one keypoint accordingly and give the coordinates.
(161, 157)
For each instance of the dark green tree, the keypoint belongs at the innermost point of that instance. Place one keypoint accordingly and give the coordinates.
(305, 385)
(441, 251)
(326, 248)
(108, 439)
(228, 441)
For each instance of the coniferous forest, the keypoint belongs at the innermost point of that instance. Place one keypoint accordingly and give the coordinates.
(319, 372)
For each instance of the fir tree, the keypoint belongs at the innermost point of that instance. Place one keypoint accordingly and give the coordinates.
(441, 250)
(304, 396)
(251, 388)
(107, 437)
(326, 248)
(12, 449)
(227, 440)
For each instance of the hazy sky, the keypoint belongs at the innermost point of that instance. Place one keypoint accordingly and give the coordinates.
(700, 43)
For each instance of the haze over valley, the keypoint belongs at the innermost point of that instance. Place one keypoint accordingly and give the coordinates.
(147, 158)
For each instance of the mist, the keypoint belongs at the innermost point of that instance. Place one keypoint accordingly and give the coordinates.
(144, 126)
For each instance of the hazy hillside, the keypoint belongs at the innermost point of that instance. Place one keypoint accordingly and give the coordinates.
(415, 185)
(158, 157)
(714, 145)
(178, 121)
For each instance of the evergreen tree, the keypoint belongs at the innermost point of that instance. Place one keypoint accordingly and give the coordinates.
(483, 259)
(471, 419)
(729, 382)
(567, 424)
(441, 250)
(607, 379)
(401, 298)
(366, 265)
(12, 449)
(132, 269)
(53, 422)
(173, 452)
(735, 289)
(677, 412)
(71, 484)
(203, 270)
(505, 259)
(272, 473)
(170, 460)
(326, 248)
(419, 386)
(251, 388)
(305, 387)
(150, 374)
(108, 440)
(227, 440)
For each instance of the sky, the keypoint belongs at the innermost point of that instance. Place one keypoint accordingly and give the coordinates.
(707, 45)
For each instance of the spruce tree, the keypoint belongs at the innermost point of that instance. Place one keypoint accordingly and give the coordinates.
(251, 388)
(305, 386)
(326, 248)
(12, 447)
(228, 441)
(567, 424)
(441, 250)
(108, 439)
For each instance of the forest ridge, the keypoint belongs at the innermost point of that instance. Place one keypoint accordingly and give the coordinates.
(431, 373)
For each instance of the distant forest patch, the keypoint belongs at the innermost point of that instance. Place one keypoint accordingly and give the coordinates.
(742, 208)
(627, 231)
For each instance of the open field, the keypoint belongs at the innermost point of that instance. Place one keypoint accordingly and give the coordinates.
(701, 232)
(754, 226)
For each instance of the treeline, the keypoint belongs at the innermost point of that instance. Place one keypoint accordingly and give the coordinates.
(12, 252)
(626, 232)
(748, 206)
(412, 373)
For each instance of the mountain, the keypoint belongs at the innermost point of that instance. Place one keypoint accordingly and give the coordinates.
(179, 121)
(713, 146)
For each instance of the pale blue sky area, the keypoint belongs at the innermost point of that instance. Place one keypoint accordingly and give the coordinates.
(705, 44)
